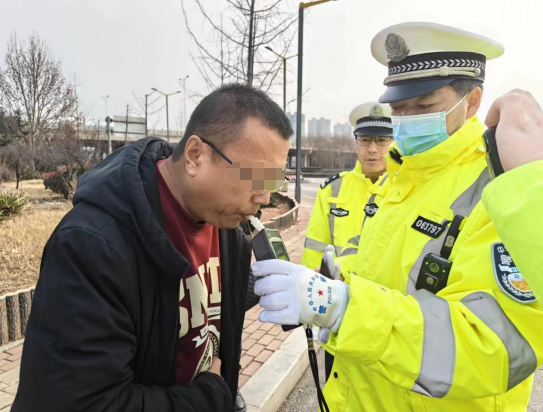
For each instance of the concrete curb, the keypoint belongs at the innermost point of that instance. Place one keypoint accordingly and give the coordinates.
(286, 219)
(272, 383)
(11, 345)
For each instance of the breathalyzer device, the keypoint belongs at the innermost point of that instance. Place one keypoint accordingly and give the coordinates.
(268, 244)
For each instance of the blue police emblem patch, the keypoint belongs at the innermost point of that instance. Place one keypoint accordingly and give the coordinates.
(508, 276)
(319, 294)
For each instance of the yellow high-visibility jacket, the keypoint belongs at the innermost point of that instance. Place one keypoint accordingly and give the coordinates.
(471, 347)
(514, 202)
(337, 217)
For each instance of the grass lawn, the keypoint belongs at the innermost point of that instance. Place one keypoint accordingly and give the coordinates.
(22, 238)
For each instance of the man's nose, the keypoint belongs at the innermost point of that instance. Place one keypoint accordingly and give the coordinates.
(262, 198)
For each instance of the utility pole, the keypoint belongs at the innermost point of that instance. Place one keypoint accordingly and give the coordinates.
(167, 120)
(222, 54)
(251, 48)
(301, 9)
(108, 132)
(298, 189)
(146, 112)
(105, 99)
(185, 99)
(126, 130)
(76, 106)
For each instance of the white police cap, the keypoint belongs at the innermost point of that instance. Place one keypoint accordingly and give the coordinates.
(423, 57)
(371, 119)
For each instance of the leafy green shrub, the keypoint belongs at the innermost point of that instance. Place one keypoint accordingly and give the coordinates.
(11, 204)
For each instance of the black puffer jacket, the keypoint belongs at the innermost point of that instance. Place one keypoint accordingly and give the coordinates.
(104, 326)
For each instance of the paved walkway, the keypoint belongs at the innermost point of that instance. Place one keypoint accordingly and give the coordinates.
(10, 362)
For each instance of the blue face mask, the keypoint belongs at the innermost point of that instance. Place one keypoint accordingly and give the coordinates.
(419, 133)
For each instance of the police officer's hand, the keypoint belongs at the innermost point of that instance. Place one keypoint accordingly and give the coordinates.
(519, 135)
(320, 335)
(293, 294)
(328, 258)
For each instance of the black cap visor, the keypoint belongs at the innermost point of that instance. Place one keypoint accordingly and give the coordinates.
(408, 90)
(373, 131)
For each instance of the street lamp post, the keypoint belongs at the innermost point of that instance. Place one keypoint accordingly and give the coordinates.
(184, 100)
(146, 109)
(108, 132)
(167, 111)
(284, 75)
(302, 7)
(105, 99)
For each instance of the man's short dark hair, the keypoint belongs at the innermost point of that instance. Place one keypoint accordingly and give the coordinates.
(221, 116)
(464, 86)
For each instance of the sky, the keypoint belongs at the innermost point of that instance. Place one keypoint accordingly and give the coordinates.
(122, 48)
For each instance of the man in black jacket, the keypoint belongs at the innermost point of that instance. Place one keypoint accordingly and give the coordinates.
(143, 283)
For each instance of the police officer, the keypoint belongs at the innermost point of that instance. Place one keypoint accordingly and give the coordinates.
(438, 316)
(513, 200)
(339, 209)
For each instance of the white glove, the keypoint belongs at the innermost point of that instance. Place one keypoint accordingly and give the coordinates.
(334, 268)
(320, 335)
(292, 294)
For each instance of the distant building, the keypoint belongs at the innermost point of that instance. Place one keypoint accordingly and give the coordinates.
(292, 117)
(319, 127)
(342, 129)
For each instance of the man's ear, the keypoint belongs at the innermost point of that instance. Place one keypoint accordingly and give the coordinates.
(474, 102)
(192, 156)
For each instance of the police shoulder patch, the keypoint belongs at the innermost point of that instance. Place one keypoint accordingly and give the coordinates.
(339, 212)
(371, 209)
(330, 180)
(508, 277)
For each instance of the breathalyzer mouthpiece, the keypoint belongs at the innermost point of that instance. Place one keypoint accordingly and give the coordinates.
(257, 224)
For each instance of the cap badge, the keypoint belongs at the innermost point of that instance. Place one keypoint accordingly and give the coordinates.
(376, 111)
(396, 48)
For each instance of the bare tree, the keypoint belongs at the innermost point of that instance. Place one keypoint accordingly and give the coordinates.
(6, 174)
(32, 84)
(63, 148)
(231, 51)
(18, 157)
